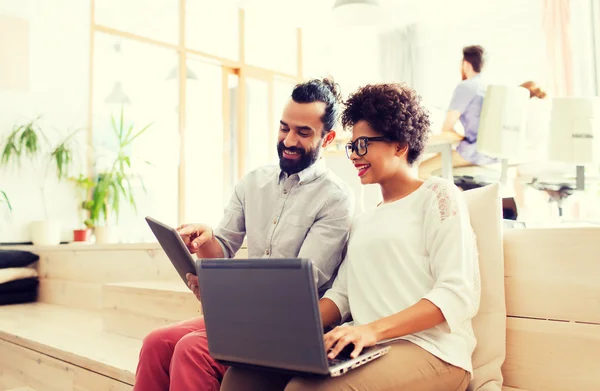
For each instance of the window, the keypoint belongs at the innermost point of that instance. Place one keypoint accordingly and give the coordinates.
(156, 19)
(207, 128)
(133, 76)
(260, 127)
(270, 43)
(213, 27)
(204, 143)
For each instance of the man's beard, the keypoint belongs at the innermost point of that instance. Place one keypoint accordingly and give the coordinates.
(289, 166)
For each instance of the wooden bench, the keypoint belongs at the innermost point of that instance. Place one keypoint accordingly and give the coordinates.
(65, 343)
(552, 281)
(49, 347)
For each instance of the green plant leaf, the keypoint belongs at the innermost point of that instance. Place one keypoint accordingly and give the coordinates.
(121, 125)
(89, 223)
(114, 126)
(138, 134)
(6, 200)
(10, 149)
(129, 132)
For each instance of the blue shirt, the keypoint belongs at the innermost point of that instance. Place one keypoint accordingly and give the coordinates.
(468, 100)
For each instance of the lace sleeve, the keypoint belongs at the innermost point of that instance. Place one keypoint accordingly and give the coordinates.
(445, 205)
(453, 255)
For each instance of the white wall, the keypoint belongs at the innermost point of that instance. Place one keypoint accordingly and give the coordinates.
(350, 55)
(58, 90)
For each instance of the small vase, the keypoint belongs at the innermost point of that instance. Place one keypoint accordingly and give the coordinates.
(45, 233)
(102, 235)
(81, 235)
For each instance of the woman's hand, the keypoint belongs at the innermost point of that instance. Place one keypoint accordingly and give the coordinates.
(338, 338)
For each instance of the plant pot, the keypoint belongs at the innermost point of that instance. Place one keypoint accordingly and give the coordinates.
(45, 233)
(81, 235)
(102, 235)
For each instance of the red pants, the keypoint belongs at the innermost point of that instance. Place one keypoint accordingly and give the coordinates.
(176, 358)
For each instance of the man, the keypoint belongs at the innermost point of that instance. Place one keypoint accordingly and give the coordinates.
(465, 105)
(299, 209)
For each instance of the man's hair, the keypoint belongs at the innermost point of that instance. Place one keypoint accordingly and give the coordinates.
(534, 90)
(326, 91)
(393, 110)
(474, 55)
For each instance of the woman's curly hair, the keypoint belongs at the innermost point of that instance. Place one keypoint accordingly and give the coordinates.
(393, 110)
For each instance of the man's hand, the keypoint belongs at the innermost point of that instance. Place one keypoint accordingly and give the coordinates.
(338, 338)
(192, 281)
(195, 236)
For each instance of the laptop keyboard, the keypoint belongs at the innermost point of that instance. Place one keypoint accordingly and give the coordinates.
(338, 360)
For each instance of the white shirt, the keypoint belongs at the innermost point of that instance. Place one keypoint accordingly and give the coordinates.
(419, 247)
(305, 215)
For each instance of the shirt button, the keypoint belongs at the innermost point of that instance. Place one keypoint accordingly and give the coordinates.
(300, 183)
(285, 192)
(274, 221)
(268, 252)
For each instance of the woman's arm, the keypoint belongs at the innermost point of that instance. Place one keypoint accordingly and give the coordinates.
(418, 317)
(330, 313)
(334, 305)
(421, 316)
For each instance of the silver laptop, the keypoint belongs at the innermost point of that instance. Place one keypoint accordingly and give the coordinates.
(264, 313)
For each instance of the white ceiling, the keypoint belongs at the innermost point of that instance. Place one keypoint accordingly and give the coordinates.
(397, 13)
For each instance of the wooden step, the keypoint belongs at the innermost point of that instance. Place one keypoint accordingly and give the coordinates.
(72, 339)
(134, 309)
(72, 275)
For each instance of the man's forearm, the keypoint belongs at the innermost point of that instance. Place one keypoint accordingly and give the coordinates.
(330, 313)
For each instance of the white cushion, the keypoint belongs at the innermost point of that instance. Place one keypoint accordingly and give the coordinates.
(16, 273)
(489, 324)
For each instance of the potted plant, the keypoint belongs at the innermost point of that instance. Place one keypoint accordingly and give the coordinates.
(114, 185)
(83, 185)
(29, 142)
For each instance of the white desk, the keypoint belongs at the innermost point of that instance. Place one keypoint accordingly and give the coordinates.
(445, 149)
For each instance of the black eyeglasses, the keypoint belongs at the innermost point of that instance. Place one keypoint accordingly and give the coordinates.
(360, 145)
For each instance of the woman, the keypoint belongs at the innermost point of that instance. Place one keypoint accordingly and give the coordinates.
(535, 153)
(410, 277)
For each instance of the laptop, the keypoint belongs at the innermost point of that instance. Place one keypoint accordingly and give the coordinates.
(264, 314)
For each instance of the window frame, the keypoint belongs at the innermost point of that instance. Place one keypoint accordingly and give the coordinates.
(238, 67)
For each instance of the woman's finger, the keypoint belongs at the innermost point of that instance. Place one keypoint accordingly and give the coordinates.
(332, 337)
(341, 344)
(358, 347)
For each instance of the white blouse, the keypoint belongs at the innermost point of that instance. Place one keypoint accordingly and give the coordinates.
(419, 247)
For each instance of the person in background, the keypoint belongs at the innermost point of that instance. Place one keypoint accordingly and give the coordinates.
(296, 209)
(534, 90)
(536, 144)
(466, 104)
(411, 273)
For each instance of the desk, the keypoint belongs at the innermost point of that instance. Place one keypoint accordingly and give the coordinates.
(445, 149)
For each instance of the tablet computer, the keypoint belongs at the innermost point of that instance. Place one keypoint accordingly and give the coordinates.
(174, 247)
